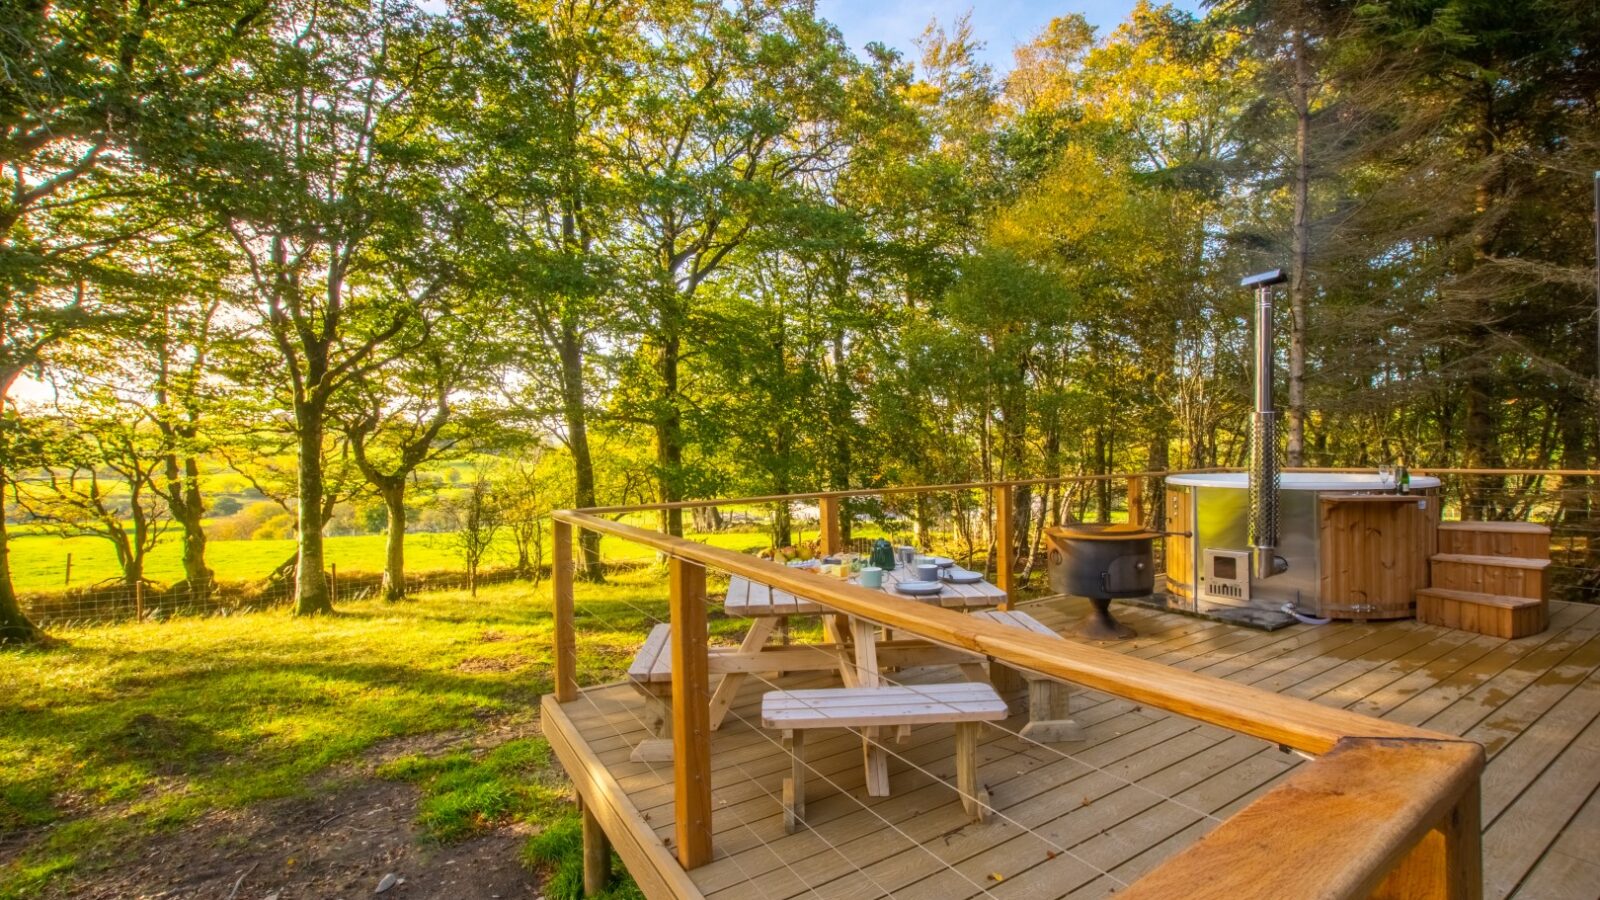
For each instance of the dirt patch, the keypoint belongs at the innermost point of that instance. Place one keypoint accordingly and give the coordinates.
(338, 844)
(434, 743)
(494, 663)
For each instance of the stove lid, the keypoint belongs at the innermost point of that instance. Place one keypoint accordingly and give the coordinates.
(1093, 531)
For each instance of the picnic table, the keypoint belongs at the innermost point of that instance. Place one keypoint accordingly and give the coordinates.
(858, 653)
(747, 599)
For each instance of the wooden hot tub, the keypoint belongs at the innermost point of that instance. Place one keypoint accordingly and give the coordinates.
(1355, 550)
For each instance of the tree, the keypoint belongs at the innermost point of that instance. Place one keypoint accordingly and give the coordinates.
(97, 476)
(479, 515)
(396, 419)
(86, 88)
(542, 84)
(322, 179)
(735, 109)
(528, 487)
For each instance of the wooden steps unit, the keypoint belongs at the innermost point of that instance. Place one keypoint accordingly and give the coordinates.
(1490, 614)
(1489, 578)
(1522, 540)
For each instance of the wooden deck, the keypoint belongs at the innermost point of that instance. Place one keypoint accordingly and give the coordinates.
(1078, 820)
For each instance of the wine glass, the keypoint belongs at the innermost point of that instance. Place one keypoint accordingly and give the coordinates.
(1386, 475)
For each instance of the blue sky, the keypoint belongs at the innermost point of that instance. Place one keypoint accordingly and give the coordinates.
(1000, 24)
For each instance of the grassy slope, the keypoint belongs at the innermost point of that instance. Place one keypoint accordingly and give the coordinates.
(123, 730)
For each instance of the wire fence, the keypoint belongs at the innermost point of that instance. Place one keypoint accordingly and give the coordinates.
(956, 523)
(1568, 505)
(117, 601)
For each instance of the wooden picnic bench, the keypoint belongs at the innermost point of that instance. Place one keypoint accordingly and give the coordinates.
(1048, 699)
(965, 704)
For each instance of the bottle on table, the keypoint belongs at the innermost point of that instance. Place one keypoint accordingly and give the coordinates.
(1403, 482)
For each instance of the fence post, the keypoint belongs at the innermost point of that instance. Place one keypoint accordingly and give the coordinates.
(566, 637)
(68, 582)
(138, 601)
(828, 525)
(691, 713)
(333, 582)
(1135, 500)
(1005, 526)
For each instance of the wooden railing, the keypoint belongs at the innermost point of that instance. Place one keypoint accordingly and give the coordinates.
(1385, 809)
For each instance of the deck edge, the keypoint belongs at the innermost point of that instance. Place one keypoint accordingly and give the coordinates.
(654, 869)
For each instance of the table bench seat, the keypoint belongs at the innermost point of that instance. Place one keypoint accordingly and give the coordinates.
(653, 663)
(1048, 698)
(965, 704)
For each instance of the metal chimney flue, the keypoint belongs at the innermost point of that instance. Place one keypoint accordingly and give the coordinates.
(1264, 438)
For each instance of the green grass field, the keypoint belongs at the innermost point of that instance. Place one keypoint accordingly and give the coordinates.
(38, 561)
(123, 731)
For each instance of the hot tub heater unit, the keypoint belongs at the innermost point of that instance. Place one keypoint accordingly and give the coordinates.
(1264, 487)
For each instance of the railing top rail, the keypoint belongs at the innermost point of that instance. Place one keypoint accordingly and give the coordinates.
(1344, 824)
(904, 490)
(1300, 724)
(887, 491)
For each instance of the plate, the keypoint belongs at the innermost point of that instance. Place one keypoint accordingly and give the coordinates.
(943, 562)
(918, 588)
(962, 576)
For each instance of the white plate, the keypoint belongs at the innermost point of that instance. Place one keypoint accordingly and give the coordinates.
(918, 588)
(943, 562)
(961, 576)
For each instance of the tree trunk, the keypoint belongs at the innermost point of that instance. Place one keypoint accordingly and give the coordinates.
(1577, 491)
(669, 437)
(1160, 457)
(187, 507)
(1301, 254)
(15, 627)
(923, 525)
(1483, 452)
(394, 539)
(310, 584)
(839, 435)
(782, 525)
(577, 422)
(1102, 466)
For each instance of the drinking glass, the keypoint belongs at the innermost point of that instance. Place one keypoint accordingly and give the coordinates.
(1386, 475)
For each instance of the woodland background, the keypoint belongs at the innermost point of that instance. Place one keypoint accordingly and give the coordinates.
(286, 268)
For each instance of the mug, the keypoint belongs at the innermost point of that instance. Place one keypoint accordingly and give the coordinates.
(927, 572)
(872, 577)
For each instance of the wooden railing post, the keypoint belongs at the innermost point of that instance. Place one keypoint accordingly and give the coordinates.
(566, 637)
(1005, 526)
(1135, 500)
(691, 713)
(828, 523)
(1448, 862)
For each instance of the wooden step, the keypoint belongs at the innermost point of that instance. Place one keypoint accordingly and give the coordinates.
(1492, 614)
(1504, 575)
(1526, 540)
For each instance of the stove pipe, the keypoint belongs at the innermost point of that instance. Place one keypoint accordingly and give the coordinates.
(1264, 439)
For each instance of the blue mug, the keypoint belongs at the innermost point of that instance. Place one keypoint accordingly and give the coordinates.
(872, 577)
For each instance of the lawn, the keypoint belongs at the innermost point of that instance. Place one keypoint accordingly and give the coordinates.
(125, 732)
(38, 561)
